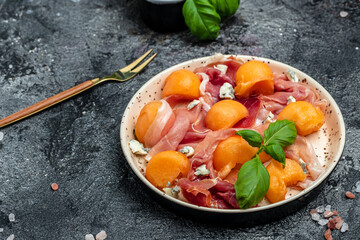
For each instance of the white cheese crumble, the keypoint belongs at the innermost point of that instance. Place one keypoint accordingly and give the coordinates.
(187, 151)
(222, 68)
(137, 147)
(303, 165)
(172, 192)
(227, 91)
(202, 171)
(192, 104)
(269, 118)
(292, 76)
(291, 99)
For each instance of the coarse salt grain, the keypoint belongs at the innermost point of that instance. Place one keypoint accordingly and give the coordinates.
(327, 235)
(331, 224)
(12, 217)
(344, 227)
(1, 136)
(339, 224)
(323, 222)
(315, 216)
(101, 235)
(11, 237)
(89, 237)
(313, 211)
(320, 209)
(1, 230)
(328, 214)
(349, 195)
(328, 208)
(357, 185)
(344, 14)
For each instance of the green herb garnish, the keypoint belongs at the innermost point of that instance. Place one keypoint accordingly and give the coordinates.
(204, 16)
(253, 178)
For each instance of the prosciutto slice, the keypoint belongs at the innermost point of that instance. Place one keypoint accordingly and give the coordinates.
(209, 193)
(183, 121)
(204, 152)
(304, 150)
(253, 107)
(160, 126)
(284, 88)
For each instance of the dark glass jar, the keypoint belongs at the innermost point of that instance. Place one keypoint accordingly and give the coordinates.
(163, 15)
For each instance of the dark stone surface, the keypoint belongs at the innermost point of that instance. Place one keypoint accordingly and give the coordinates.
(49, 46)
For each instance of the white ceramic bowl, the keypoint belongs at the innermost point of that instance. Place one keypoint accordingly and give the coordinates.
(328, 142)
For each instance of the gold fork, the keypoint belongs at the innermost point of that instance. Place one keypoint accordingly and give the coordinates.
(121, 75)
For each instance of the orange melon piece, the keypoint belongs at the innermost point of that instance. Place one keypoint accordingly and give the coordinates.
(225, 114)
(230, 152)
(145, 119)
(183, 83)
(165, 167)
(307, 117)
(254, 77)
(280, 178)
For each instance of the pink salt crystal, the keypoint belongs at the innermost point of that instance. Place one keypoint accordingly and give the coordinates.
(327, 234)
(331, 224)
(349, 195)
(339, 224)
(313, 211)
(101, 235)
(328, 214)
(335, 213)
(337, 219)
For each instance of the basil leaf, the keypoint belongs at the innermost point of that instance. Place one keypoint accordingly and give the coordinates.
(276, 152)
(281, 132)
(226, 8)
(252, 183)
(202, 19)
(252, 137)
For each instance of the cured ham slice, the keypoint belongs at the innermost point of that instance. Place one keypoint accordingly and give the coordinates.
(253, 107)
(160, 126)
(204, 152)
(183, 121)
(209, 193)
(304, 150)
(284, 88)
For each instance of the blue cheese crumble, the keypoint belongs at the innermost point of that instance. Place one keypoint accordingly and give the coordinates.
(292, 76)
(187, 151)
(291, 99)
(192, 104)
(303, 165)
(202, 171)
(269, 118)
(222, 68)
(172, 192)
(227, 91)
(138, 148)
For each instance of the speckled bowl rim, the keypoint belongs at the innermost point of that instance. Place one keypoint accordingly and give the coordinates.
(316, 183)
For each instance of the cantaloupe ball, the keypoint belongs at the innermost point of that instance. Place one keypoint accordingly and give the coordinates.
(183, 83)
(280, 178)
(254, 78)
(225, 114)
(145, 119)
(165, 167)
(307, 117)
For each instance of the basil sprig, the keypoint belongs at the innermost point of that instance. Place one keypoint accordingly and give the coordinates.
(204, 16)
(253, 178)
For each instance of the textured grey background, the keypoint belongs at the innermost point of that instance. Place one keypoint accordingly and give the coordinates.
(49, 46)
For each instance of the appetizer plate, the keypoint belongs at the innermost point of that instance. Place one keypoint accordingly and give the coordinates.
(328, 144)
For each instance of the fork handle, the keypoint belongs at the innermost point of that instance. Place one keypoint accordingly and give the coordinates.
(37, 107)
